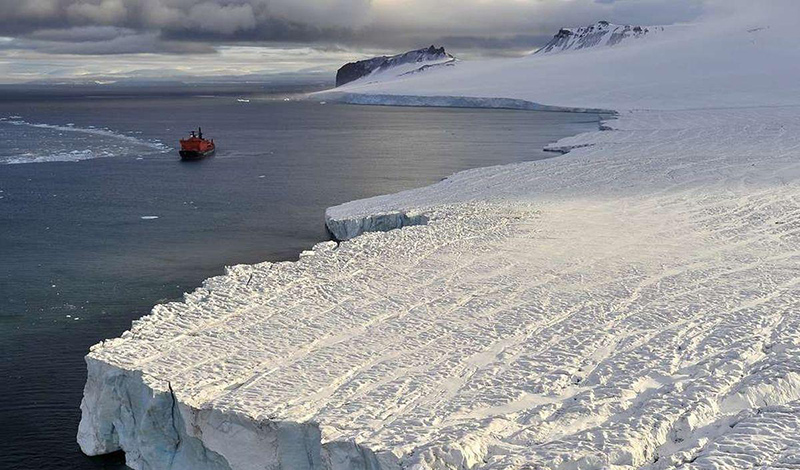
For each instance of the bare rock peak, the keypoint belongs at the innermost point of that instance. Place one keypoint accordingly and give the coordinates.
(602, 33)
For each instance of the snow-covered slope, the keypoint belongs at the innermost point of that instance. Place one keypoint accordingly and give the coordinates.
(630, 305)
(385, 67)
(600, 34)
(738, 61)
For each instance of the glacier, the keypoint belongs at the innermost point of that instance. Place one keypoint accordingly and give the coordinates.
(723, 62)
(631, 304)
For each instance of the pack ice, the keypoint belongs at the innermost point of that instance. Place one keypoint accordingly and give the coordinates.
(631, 304)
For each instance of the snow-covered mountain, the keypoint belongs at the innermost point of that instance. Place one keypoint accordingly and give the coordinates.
(599, 34)
(392, 66)
(719, 62)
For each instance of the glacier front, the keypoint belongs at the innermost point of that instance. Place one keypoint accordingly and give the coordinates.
(629, 305)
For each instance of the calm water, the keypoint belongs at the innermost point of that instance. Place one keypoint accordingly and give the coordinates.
(81, 255)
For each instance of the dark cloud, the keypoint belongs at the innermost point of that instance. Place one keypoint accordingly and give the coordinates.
(224, 18)
(102, 41)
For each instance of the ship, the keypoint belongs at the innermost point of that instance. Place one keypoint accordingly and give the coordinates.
(196, 147)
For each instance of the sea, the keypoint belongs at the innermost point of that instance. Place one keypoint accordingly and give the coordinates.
(100, 220)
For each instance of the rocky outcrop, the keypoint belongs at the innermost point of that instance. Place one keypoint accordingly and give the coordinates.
(418, 59)
(601, 33)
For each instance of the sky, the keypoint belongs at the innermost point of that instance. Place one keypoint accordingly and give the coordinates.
(64, 40)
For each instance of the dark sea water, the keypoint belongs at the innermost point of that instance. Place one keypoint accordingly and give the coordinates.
(82, 254)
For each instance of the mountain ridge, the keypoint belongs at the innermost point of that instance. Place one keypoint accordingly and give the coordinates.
(598, 34)
(426, 57)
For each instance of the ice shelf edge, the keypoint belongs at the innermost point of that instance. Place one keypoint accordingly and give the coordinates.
(345, 228)
(121, 411)
(446, 101)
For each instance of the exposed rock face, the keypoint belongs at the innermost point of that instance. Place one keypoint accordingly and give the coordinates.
(601, 33)
(421, 57)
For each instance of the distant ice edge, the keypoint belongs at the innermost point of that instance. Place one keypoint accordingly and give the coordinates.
(351, 219)
(342, 225)
(120, 411)
(449, 102)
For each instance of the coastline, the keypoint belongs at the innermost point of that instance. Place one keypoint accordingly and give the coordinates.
(189, 424)
(381, 213)
(636, 168)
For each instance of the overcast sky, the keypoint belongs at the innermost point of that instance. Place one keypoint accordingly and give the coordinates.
(107, 39)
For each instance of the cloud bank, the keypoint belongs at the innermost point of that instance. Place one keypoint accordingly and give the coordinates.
(115, 38)
(129, 26)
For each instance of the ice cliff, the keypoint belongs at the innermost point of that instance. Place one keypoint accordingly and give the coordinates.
(349, 225)
(122, 411)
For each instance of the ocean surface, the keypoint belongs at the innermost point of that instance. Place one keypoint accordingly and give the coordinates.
(100, 220)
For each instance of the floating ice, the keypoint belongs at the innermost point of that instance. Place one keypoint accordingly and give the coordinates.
(79, 144)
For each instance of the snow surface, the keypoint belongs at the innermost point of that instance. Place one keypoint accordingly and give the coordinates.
(632, 304)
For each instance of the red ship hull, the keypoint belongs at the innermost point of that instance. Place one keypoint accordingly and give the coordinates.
(195, 154)
(196, 147)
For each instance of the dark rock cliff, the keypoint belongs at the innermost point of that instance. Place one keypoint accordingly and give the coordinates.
(355, 70)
